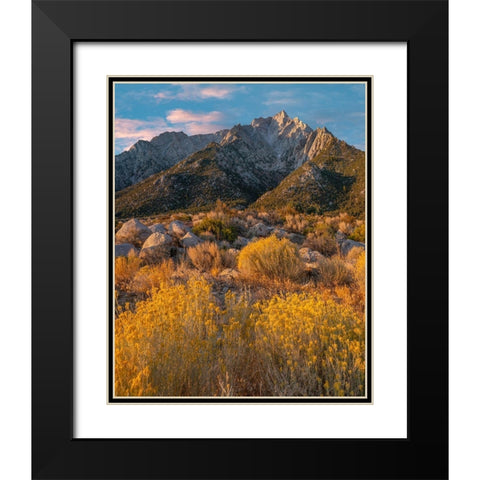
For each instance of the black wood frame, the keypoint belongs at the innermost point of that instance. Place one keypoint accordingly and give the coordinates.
(57, 25)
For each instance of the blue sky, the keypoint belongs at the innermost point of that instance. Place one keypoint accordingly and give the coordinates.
(144, 110)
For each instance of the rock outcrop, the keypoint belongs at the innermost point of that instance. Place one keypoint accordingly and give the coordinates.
(134, 232)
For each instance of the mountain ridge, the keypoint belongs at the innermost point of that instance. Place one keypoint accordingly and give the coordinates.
(253, 164)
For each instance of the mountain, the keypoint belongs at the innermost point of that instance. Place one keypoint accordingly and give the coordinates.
(272, 161)
(161, 152)
(333, 179)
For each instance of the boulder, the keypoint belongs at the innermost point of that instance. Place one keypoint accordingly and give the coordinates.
(190, 240)
(178, 229)
(260, 230)
(240, 242)
(134, 232)
(340, 237)
(280, 232)
(296, 238)
(157, 247)
(316, 256)
(158, 228)
(124, 249)
(348, 244)
(310, 256)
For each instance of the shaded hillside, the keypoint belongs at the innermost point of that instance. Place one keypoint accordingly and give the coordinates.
(333, 180)
(146, 158)
(198, 181)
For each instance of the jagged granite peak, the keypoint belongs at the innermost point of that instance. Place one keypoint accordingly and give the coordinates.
(175, 171)
(279, 140)
(332, 178)
(270, 162)
(146, 158)
(227, 172)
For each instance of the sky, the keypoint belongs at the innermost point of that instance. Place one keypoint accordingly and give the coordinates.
(144, 110)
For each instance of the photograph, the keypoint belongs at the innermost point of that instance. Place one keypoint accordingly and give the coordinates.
(239, 239)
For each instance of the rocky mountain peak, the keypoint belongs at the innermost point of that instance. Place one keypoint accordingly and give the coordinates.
(324, 130)
(281, 116)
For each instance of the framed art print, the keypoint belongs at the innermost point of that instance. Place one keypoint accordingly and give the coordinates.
(231, 208)
(242, 236)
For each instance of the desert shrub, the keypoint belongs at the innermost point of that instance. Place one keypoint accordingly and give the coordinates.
(207, 257)
(358, 233)
(309, 346)
(271, 257)
(353, 255)
(125, 269)
(197, 218)
(178, 342)
(334, 271)
(167, 345)
(359, 270)
(221, 229)
(152, 276)
(345, 227)
(321, 243)
(238, 359)
(296, 223)
(181, 217)
(321, 228)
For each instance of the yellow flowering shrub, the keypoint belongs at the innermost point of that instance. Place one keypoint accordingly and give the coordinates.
(166, 345)
(152, 276)
(181, 341)
(271, 257)
(310, 346)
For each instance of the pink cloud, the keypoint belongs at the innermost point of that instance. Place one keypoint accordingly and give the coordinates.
(196, 92)
(163, 96)
(185, 116)
(130, 130)
(215, 92)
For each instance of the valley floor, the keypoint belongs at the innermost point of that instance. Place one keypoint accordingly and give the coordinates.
(240, 303)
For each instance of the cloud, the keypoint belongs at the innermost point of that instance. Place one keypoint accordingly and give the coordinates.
(186, 116)
(197, 92)
(216, 92)
(278, 97)
(194, 123)
(163, 96)
(129, 130)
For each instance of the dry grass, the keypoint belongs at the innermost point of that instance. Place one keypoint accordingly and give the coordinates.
(334, 271)
(322, 244)
(296, 223)
(125, 270)
(207, 257)
(272, 258)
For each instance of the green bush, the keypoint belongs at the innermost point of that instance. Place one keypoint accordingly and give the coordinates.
(219, 228)
(358, 234)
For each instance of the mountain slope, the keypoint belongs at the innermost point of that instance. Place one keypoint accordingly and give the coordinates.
(274, 161)
(333, 179)
(198, 181)
(147, 158)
